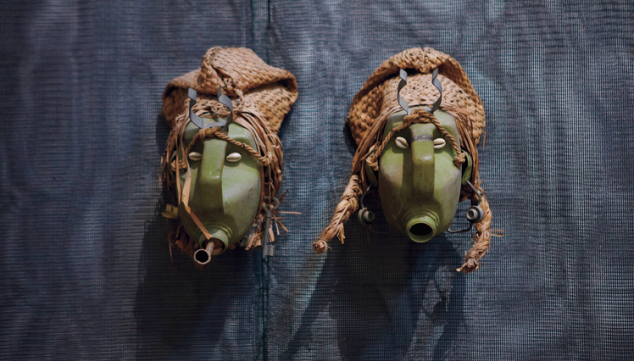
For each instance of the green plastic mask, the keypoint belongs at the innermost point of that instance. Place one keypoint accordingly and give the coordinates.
(418, 183)
(223, 161)
(225, 189)
(420, 174)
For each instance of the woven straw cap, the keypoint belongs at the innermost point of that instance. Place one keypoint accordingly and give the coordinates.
(268, 92)
(377, 99)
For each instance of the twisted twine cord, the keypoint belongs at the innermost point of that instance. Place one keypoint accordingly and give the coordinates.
(481, 239)
(416, 117)
(218, 133)
(213, 107)
(348, 205)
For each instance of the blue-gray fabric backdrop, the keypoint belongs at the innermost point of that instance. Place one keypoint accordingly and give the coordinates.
(85, 270)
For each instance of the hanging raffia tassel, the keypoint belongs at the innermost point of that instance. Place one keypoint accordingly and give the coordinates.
(261, 95)
(377, 101)
(348, 205)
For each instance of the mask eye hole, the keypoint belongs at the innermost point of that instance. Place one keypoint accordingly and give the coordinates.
(195, 156)
(234, 157)
(401, 142)
(439, 143)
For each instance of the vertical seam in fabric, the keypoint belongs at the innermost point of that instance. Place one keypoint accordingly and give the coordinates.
(261, 47)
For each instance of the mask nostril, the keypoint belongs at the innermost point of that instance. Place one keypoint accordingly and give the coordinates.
(421, 230)
(201, 256)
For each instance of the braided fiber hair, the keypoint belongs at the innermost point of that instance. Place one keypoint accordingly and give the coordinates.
(261, 95)
(377, 101)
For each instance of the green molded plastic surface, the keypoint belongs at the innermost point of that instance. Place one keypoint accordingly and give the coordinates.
(224, 195)
(467, 166)
(419, 186)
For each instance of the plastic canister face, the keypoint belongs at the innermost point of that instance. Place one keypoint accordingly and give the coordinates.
(225, 187)
(419, 184)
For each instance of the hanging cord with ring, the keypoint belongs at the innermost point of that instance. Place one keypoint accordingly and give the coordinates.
(474, 213)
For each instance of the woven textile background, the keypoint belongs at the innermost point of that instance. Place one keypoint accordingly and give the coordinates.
(85, 269)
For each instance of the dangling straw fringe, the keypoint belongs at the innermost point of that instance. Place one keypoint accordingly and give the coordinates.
(348, 205)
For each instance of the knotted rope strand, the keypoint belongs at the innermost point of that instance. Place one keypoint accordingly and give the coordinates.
(418, 116)
(218, 133)
(348, 205)
(481, 238)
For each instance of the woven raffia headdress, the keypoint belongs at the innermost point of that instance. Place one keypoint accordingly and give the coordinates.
(261, 96)
(374, 104)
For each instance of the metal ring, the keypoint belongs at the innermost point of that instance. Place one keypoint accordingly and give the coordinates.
(268, 207)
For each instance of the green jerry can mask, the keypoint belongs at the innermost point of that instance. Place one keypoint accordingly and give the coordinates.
(223, 161)
(417, 140)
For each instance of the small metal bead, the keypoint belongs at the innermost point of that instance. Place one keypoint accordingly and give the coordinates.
(475, 214)
(366, 217)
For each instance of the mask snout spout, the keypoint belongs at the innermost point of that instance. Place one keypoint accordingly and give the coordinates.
(421, 228)
(219, 241)
(202, 257)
